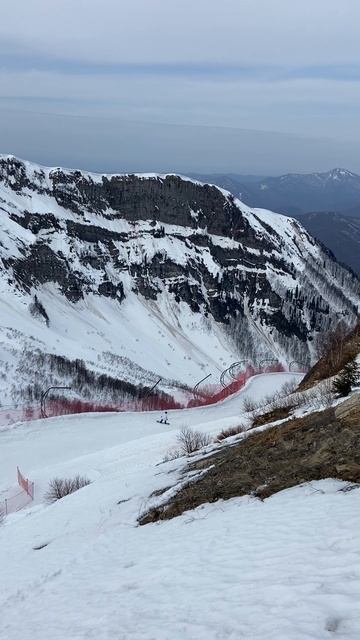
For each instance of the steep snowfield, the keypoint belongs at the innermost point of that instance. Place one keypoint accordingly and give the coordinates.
(139, 340)
(285, 569)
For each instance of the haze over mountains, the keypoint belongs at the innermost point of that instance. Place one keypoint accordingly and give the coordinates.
(339, 232)
(295, 193)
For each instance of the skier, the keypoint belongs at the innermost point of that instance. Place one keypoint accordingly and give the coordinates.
(164, 418)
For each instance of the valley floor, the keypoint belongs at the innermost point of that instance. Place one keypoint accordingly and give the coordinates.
(284, 569)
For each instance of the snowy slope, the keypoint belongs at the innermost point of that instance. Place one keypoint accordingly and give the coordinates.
(49, 444)
(284, 569)
(148, 277)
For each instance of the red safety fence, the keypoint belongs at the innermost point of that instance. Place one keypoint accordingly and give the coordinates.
(211, 395)
(205, 395)
(16, 500)
(25, 484)
(64, 406)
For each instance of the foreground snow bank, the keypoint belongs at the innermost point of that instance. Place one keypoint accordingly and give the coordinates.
(284, 569)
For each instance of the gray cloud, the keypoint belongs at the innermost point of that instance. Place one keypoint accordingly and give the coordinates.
(236, 31)
(271, 65)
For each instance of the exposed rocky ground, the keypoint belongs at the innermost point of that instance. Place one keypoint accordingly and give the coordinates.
(324, 444)
(342, 348)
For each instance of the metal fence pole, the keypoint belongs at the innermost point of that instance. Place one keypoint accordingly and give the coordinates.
(195, 389)
(43, 399)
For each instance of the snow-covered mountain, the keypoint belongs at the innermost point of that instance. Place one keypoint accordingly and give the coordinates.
(110, 282)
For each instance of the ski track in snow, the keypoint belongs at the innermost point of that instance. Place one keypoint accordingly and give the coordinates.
(284, 569)
(41, 444)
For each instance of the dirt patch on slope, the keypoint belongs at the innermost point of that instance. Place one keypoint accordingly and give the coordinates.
(271, 416)
(321, 445)
(334, 361)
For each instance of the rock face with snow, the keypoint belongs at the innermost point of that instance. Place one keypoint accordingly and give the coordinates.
(148, 276)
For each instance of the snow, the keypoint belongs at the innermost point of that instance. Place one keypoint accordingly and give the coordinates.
(34, 170)
(284, 569)
(173, 342)
(52, 442)
(230, 570)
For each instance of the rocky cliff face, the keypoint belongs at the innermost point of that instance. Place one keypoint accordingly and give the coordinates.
(192, 256)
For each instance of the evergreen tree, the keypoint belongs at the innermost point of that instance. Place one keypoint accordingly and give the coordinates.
(347, 378)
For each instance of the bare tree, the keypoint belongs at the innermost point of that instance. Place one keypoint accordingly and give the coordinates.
(191, 441)
(330, 345)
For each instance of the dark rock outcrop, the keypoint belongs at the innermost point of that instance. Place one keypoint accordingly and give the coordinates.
(172, 235)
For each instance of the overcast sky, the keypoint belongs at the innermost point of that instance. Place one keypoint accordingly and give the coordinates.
(248, 86)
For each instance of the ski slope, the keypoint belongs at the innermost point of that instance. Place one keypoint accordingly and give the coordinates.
(285, 569)
(42, 448)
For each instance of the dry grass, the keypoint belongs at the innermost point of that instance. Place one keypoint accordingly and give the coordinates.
(323, 444)
(277, 413)
(279, 407)
(337, 355)
(227, 433)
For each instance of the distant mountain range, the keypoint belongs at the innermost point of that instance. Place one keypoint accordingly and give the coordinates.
(340, 233)
(328, 204)
(294, 193)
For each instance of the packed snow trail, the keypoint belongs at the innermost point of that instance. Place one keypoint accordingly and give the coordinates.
(45, 443)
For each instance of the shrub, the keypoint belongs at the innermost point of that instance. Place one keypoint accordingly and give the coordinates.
(191, 441)
(325, 394)
(172, 454)
(347, 378)
(227, 433)
(288, 387)
(60, 487)
(250, 405)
